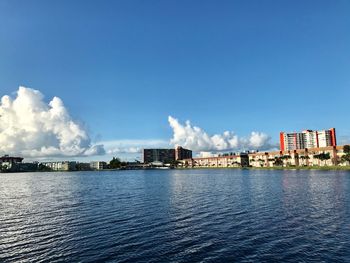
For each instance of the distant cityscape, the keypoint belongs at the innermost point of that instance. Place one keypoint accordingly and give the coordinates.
(297, 149)
(152, 158)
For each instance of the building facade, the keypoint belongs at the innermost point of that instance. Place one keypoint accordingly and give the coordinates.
(165, 155)
(158, 155)
(181, 153)
(15, 164)
(9, 161)
(61, 166)
(98, 165)
(320, 156)
(307, 139)
(234, 160)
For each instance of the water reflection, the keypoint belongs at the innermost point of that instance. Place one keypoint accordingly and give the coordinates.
(176, 215)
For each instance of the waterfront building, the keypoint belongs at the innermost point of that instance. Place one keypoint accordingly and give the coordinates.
(9, 160)
(318, 156)
(181, 153)
(165, 155)
(310, 139)
(231, 160)
(98, 165)
(307, 139)
(15, 164)
(61, 166)
(327, 138)
(160, 155)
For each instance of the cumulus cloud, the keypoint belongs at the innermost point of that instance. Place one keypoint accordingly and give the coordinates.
(132, 146)
(32, 128)
(196, 139)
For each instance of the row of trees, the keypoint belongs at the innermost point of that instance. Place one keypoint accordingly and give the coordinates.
(323, 156)
(115, 163)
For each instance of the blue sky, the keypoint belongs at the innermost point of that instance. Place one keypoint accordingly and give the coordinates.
(122, 67)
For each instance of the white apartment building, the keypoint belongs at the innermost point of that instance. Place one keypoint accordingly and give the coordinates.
(324, 138)
(98, 165)
(61, 166)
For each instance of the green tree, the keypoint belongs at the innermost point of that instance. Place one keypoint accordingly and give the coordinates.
(346, 157)
(261, 161)
(115, 163)
(43, 168)
(278, 161)
(323, 157)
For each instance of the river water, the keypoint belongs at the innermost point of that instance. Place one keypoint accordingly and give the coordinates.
(214, 215)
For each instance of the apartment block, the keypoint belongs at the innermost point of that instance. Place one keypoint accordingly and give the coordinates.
(299, 157)
(318, 156)
(234, 160)
(307, 139)
(98, 165)
(61, 166)
(158, 155)
(181, 153)
(165, 155)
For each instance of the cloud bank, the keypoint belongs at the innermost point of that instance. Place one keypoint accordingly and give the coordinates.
(132, 146)
(32, 128)
(196, 139)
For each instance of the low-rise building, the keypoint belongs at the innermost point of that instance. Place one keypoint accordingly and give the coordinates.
(319, 156)
(98, 165)
(61, 165)
(239, 160)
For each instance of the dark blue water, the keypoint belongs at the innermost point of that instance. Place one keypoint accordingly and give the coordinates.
(175, 216)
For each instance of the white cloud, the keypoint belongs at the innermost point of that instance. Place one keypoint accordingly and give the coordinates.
(206, 154)
(132, 146)
(196, 139)
(32, 128)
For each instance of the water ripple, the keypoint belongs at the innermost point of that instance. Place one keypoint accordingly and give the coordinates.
(175, 216)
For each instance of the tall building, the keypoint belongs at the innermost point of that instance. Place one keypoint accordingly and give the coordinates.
(181, 153)
(307, 139)
(158, 155)
(327, 138)
(310, 139)
(166, 155)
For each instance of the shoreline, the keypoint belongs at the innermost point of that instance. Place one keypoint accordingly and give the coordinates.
(317, 168)
(324, 168)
